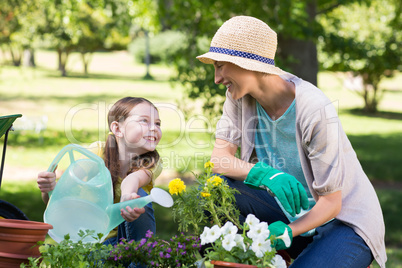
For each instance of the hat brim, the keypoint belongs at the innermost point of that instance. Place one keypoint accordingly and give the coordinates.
(248, 64)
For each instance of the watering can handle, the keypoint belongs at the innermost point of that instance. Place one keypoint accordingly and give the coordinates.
(70, 149)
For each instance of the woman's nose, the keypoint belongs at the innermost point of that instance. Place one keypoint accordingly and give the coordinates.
(218, 77)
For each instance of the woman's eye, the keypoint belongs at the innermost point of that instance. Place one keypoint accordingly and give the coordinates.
(158, 124)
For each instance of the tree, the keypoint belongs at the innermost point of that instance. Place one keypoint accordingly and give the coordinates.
(144, 14)
(87, 26)
(18, 27)
(294, 21)
(363, 40)
(58, 30)
(92, 22)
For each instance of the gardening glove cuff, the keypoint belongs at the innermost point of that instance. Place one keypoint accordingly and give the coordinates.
(289, 191)
(282, 234)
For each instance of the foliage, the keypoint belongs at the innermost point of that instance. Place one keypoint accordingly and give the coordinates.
(294, 21)
(179, 251)
(161, 47)
(211, 202)
(72, 254)
(361, 39)
(211, 194)
(18, 21)
(252, 246)
(73, 25)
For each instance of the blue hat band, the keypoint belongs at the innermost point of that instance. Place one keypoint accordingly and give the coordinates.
(242, 54)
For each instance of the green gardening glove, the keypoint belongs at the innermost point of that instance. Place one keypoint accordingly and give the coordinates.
(289, 191)
(283, 234)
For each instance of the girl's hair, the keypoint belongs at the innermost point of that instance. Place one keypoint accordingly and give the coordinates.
(119, 112)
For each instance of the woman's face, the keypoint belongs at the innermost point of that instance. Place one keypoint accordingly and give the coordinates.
(141, 130)
(237, 80)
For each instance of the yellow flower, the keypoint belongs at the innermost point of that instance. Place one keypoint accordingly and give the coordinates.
(176, 186)
(209, 164)
(215, 180)
(204, 194)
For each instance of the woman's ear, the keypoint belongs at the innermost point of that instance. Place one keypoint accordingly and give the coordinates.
(115, 128)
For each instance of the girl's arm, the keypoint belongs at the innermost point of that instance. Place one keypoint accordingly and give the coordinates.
(224, 160)
(326, 208)
(133, 182)
(129, 189)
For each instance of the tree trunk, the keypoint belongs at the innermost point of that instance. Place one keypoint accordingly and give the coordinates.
(59, 52)
(63, 56)
(86, 58)
(29, 58)
(147, 56)
(301, 55)
(16, 56)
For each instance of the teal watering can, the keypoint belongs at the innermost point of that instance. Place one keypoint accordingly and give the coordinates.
(83, 197)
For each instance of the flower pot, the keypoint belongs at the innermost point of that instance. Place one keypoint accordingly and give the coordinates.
(18, 240)
(221, 264)
(9, 260)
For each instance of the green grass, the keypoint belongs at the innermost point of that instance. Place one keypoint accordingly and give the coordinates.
(76, 107)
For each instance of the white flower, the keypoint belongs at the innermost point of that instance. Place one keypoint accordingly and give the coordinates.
(285, 238)
(260, 246)
(229, 229)
(252, 220)
(228, 242)
(239, 239)
(259, 230)
(278, 262)
(214, 233)
(204, 236)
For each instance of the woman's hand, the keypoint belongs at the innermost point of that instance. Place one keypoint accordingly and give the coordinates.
(46, 182)
(131, 214)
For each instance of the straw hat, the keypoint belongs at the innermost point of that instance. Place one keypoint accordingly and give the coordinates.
(247, 42)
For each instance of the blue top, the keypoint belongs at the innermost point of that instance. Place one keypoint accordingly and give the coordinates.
(275, 145)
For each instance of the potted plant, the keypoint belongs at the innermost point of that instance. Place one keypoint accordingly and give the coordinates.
(208, 208)
(179, 251)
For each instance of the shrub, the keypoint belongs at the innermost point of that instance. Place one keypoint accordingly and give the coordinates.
(162, 46)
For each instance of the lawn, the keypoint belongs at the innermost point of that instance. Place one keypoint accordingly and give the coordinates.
(76, 108)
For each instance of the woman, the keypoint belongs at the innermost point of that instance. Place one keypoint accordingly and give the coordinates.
(292, 145)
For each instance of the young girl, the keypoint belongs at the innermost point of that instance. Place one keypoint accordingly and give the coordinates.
(131, 157)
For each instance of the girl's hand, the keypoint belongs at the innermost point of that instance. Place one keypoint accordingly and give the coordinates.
(131, 214)
(46, 181)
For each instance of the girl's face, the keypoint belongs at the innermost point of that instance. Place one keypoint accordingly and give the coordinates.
(141, 131)
(238, 81)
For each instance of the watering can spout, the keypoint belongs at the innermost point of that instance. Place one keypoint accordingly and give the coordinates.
(156, 195)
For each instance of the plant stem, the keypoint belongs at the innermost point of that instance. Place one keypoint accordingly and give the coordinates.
(227, 214)
(213, 212)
